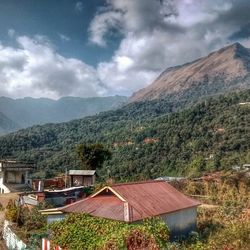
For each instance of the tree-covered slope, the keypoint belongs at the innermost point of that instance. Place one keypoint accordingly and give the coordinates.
(145, 142)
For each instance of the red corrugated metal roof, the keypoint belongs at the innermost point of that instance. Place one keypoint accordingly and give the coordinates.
(154, 198)
(133, 201)
(103, 206)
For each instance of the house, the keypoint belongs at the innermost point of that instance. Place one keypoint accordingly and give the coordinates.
(133, 202)
(56, 198)
(81, 177)
(14, 175)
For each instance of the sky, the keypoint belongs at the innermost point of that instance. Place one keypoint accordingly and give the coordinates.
(55, 48)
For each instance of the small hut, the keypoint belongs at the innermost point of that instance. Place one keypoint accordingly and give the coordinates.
(81, 178)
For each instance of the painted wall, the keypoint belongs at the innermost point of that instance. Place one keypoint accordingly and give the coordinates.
(3, 188)
(55, 217)
(11, 239)
(181, 222)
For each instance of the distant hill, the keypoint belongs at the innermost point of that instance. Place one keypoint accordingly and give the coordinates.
(6, 124)
(145, 139)
(222, 71)
(22, 113)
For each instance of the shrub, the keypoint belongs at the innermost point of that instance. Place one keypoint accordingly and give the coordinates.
(82, 231)
(11, 213)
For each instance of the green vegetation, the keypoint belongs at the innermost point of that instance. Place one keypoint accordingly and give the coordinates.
(144, 139)
(92, 156)
(29, 224)
(222, 224)
(82, 231)
(226, 224)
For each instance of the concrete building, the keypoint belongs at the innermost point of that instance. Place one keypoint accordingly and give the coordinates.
(133, 202)
(14, 175)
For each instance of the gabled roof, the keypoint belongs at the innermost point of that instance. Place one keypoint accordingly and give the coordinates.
(81, 172)
(133, 201)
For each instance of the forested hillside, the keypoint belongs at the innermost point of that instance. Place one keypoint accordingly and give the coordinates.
(146, 141)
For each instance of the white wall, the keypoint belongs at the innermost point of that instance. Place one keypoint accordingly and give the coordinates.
(11, 239)
(3, 188)
(55, 217)
(181, 222)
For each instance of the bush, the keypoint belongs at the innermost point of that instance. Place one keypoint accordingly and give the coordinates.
(11, 213)
(82, 231)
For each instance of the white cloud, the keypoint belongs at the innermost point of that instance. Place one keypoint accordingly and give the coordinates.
(35, 69)
(101, 24)
(79, 6)
(156, 34)
(160, 34)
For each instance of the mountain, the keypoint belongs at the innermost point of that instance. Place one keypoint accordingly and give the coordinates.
(222, 71)
(146, 140)
(6, 124)
(29, 111)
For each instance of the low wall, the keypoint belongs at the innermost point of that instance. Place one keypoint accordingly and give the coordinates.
(12, 241)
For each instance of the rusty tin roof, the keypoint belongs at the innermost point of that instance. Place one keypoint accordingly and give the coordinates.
(133, 201)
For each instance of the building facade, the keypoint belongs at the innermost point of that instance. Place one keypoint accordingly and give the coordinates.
(14, 175)
(81, 178)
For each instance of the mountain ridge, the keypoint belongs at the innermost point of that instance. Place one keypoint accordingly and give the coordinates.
(28, 111)
(219, 72)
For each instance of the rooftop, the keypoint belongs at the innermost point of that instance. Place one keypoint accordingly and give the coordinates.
(4, 163)
(81, 172)
(132, 201)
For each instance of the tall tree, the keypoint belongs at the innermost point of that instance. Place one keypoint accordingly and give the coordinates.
(92, 156)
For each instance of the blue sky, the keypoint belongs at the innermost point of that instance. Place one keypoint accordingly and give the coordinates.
(64, 22)
(55, 48)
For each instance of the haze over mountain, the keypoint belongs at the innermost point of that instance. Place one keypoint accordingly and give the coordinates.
(220, 72)
(21, 113)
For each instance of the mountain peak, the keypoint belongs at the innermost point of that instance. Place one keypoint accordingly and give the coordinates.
(221, 71)
(236, 49)
(237, 45)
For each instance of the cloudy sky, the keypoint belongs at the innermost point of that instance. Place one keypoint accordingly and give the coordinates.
(55, 48)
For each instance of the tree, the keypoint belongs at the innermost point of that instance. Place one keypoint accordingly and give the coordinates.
(93, 156)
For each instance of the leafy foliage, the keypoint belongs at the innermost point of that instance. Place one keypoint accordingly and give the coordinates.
(82, 231)
(92, 156)
(11, 213)
(226, 223)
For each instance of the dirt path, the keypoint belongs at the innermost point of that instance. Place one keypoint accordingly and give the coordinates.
(4, 198)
